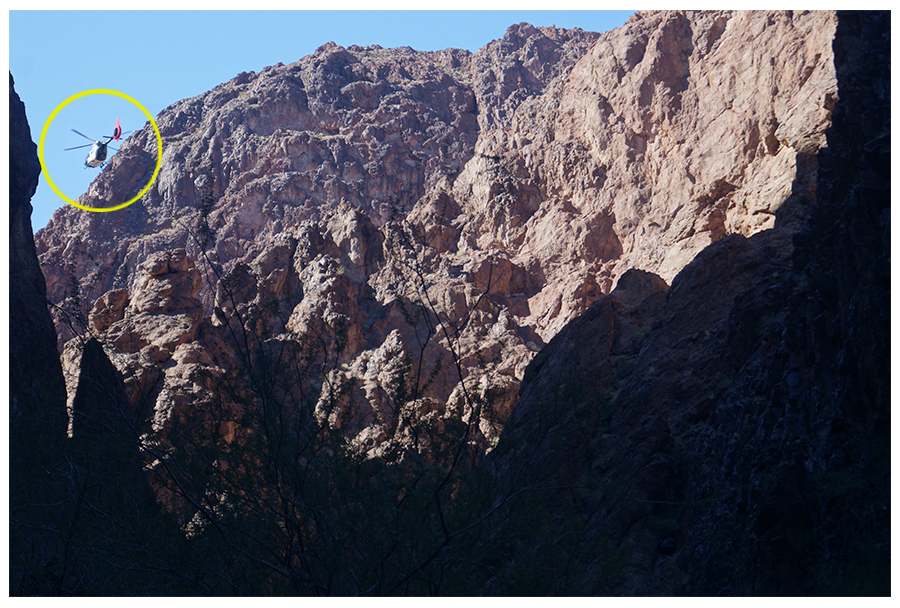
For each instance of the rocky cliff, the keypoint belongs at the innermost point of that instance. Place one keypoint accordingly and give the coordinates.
(353, 259)
(746, 448)
(449, 206)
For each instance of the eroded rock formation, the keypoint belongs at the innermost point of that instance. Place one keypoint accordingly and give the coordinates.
(464, 207)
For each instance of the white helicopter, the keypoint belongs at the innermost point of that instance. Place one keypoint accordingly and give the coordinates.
(97, 156)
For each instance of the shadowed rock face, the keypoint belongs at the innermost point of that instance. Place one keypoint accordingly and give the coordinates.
(510, 188)
(741, 444)
(36, 386)
(37, 415)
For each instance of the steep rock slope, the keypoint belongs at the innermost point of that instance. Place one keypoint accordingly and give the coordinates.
(430, 220)
(744, 449)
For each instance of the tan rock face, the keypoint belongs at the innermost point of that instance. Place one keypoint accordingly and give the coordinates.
(405, 211)
(109, 308)
(151, 335)
(680, 128)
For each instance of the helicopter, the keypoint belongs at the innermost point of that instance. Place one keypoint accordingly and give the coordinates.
(97, 156)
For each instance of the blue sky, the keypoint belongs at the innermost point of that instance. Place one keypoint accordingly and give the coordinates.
(160, 57)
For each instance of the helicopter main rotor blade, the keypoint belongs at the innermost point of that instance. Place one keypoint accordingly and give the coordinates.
(84, 136)
(76, 147)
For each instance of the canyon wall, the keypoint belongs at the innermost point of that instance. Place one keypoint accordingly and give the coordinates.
(449, 206)
(645, 272)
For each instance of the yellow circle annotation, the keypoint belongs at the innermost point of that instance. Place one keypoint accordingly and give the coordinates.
(85, 94)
